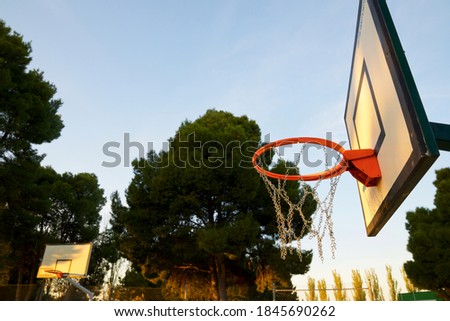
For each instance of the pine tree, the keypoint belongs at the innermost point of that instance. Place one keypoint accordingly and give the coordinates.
(200, 211)
(429, 239)
(28, 109)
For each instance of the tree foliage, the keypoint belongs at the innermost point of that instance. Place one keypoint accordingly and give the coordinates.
(429, 241)
(44, 207)
(199, 213)
(28, 109)
(37, 205)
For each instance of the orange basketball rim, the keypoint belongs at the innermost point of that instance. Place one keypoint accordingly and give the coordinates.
(361, 163)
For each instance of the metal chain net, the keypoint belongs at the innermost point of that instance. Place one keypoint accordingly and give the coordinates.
(318, 226)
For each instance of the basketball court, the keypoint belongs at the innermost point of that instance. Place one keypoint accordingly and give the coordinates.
(392, 142)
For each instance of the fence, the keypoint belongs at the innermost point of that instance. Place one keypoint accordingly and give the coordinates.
(19, 292)
(301, 294)
(64, 292)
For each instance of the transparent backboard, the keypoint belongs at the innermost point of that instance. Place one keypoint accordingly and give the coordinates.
(384, 112)
(70, 259)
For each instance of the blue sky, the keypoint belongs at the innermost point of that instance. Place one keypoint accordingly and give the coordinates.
(143, 67)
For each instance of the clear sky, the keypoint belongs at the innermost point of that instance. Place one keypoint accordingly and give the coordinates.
(142, 67)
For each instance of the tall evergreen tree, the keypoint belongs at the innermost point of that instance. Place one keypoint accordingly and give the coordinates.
(25, 198)
(45, 207)
(200, 212)
(28, 116)
(28, 109)
(429, 241)
(37, 205)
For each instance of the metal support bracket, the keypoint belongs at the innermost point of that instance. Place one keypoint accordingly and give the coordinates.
(442, 135)
(363, 165)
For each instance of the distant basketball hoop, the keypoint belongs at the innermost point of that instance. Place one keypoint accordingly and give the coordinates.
(68, 262)
(58, 274)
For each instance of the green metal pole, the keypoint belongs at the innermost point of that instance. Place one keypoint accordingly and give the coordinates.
(442, 134)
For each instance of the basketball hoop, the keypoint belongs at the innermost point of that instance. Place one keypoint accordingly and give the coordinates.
(67, 277)
(362, 164)
(58, 273)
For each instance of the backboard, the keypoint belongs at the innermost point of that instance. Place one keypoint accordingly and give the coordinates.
(384, 112)
(70, 259)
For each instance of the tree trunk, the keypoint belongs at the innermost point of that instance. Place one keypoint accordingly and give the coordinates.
(31, 284)
(19, 286)
(218, 278)
(214, 281)
(222, 278)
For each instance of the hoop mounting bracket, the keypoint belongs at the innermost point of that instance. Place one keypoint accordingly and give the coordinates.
(363, 165)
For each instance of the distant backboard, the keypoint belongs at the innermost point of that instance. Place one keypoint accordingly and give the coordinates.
(384, 112)
(70, 259)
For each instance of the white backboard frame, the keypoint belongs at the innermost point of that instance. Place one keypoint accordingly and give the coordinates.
(70, 259)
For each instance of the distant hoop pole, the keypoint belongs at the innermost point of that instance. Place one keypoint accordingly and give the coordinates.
(361, 163)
